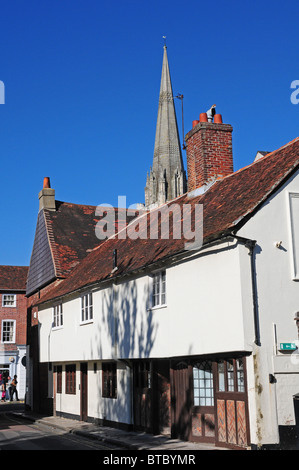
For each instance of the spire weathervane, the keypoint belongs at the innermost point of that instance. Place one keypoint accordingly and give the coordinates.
(164, 37)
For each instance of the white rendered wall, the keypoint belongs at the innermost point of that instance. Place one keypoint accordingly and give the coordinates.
(278, 301)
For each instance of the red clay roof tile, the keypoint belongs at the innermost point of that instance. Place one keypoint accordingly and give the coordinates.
(226, 206)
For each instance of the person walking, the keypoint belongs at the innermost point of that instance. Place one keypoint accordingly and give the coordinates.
(2, 388)
(13, 385)
(9, 380)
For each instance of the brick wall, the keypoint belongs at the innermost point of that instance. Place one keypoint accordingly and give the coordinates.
(17, 313)
(209, 153)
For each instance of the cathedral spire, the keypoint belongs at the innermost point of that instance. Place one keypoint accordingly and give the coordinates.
(167, 178)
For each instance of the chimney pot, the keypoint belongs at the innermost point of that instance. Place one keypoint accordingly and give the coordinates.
(203, 117)
(46, 182)
(194, 123)
(218, 119)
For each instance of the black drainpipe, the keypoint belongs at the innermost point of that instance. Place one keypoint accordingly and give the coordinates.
(251, 244)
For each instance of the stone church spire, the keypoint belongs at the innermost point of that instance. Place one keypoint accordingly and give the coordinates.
(167, 177)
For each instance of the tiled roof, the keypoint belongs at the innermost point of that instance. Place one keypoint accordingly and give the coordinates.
(227, 204)
(71, 230)
(63, 239)
(13, 278)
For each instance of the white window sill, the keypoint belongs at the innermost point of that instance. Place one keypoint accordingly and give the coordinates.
(54, 328)
(86, 322)
(157, 307)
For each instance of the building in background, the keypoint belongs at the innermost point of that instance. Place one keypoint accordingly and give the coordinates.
(13, 324)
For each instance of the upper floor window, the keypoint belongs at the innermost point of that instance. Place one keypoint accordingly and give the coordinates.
(57, 316)
(9, 300)
(8, 331)
(86, 308)
(159, 289)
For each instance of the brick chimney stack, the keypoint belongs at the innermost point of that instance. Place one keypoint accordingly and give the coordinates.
(47, 196)
(209, 150)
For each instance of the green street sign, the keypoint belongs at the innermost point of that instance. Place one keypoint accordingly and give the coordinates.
(287, 347)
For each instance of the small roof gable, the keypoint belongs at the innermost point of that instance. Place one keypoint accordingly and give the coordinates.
(13, 278)
(227, 205)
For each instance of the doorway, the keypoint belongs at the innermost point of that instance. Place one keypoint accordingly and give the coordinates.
(83, 391)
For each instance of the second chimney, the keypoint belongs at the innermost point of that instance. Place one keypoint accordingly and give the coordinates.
(209, 151)
(47, 196)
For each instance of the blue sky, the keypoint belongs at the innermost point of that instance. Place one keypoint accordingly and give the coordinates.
(82, 82)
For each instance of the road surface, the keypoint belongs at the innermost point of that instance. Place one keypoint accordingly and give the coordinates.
(19, 434)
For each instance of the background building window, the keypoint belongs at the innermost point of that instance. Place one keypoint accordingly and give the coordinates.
(57, 316)
(109, 389)
(9, 300)
(8, 331)
(159, 289)
(70, 379)
(86, 308)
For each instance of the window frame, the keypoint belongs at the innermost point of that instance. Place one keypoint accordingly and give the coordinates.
(233, 376)
(157, 297)
(14, 300)
(57, 318)
(109, 380)
(70, 379)
(86, 310)
(204, 383)
(13, 322)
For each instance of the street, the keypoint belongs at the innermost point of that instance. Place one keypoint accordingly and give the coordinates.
(19, 434)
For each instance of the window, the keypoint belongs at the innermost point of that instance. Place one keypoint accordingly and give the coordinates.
(203, 390)
(231, 376)
(59, 379)
(159, 289)
(9, 300)
(57, 316)
(70, 379)
(143, 375)
(8, 331)
(109, 380)
(86, 308)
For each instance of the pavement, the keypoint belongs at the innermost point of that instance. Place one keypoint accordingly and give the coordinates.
(126, 440)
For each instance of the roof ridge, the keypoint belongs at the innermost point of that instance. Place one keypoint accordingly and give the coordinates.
(259, 160)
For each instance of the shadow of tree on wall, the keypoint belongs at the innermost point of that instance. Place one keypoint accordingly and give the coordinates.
(127, 330)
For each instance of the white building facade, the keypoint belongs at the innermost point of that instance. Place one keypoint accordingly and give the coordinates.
(221, 328)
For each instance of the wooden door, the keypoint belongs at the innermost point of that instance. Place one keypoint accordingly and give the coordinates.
(161, 397)
(232, 423)
(142, 374)
(181, 401)
(83, 391)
